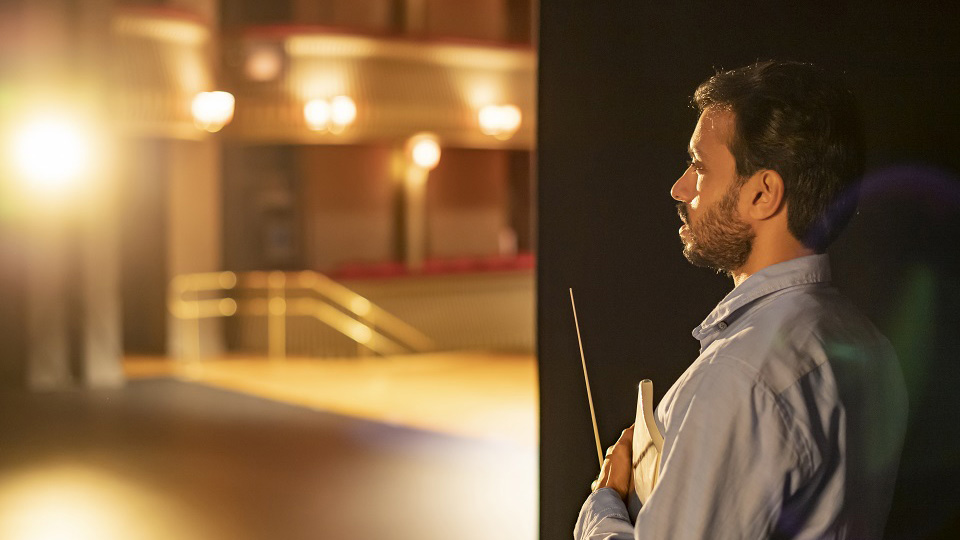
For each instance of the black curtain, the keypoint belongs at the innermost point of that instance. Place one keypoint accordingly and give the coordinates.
(614, 119)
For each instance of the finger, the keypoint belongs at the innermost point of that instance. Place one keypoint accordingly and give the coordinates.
(602, 477)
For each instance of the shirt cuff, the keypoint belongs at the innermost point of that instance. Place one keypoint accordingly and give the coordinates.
(603, 510)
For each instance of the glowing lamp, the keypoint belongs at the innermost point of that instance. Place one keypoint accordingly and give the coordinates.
(51, 153)
(343, 111)
(317, 114)
(335, 115)
(424, 150)
(500, 121)
(212, 110)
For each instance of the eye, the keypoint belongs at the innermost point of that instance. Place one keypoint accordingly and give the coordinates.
(697, 166)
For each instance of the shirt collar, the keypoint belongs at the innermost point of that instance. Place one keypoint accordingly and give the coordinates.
(799, 271)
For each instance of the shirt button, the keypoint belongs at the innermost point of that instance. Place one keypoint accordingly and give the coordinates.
(722, 325)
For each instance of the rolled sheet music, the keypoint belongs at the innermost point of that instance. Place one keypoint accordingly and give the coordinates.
(647, 446)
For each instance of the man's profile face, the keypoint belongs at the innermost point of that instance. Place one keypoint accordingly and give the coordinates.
(713, 234)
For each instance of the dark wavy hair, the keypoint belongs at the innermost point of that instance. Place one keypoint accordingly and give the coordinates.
(793, 118)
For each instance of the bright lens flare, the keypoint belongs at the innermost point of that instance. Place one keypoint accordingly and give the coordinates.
(212, 110)
(317, 114)
(336, 114)
(500, 121)
(76, 503)
(343, 111)
(67, 514)
(52, 153)
(424, 151)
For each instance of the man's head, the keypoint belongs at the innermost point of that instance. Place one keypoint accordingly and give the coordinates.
(713, 233)
(781, 125)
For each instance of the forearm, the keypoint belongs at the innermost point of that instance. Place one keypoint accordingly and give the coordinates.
(603, 517)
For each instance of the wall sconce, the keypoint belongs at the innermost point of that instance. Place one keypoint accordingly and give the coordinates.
(334, 115)
(212, 110)
(500, 121)
(422, 154)
(424, 151)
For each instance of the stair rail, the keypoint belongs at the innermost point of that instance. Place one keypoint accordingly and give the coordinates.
(192, 297)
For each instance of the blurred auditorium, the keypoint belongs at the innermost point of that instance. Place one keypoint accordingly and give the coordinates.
(268, 269)
(301, 269)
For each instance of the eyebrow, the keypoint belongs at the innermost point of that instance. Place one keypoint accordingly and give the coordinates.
(691, 152)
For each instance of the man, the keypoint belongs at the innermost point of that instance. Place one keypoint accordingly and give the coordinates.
(790, 422)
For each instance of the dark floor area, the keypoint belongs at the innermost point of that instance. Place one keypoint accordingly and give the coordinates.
(223, 465)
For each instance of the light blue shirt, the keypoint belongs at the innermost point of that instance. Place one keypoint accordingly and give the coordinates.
(788, 425)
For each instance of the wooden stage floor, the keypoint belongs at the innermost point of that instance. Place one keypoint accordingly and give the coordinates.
(423, 447)
(485, 396)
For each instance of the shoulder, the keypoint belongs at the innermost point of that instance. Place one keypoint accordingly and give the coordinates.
(788, 335)
(821, 360)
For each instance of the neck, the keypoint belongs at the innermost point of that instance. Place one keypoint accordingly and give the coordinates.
(768, 251)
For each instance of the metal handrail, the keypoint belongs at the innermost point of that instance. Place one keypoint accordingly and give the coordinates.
(340, 308)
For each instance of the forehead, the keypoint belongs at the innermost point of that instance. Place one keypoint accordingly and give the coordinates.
(713, 131)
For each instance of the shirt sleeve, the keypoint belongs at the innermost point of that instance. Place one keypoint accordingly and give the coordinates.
(603, 516)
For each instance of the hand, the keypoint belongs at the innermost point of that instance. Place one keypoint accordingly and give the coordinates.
(617, 469)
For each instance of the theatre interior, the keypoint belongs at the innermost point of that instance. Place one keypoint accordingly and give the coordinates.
(268, 269)
(304, 269)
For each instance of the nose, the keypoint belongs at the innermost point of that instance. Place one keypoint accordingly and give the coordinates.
(684, 189)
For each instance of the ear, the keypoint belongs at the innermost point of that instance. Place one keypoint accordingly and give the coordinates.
(763, 195)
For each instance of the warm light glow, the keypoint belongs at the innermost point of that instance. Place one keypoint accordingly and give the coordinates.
(424, 150)
(335, 115)
(54, 516)
(343, 111)
(277, 306)
(228, 307)
(52, 153)
(212, 110)
(72, 503)
(317, 114)
(264, 63)
(500, 121)
(361, 306)
(361, 333)
(228, 280)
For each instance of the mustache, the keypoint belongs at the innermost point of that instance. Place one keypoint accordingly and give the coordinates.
(684, 212)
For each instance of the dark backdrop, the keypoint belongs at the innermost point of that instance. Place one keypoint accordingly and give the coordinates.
(615, 82)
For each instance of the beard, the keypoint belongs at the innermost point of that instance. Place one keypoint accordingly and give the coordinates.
(719, 239)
